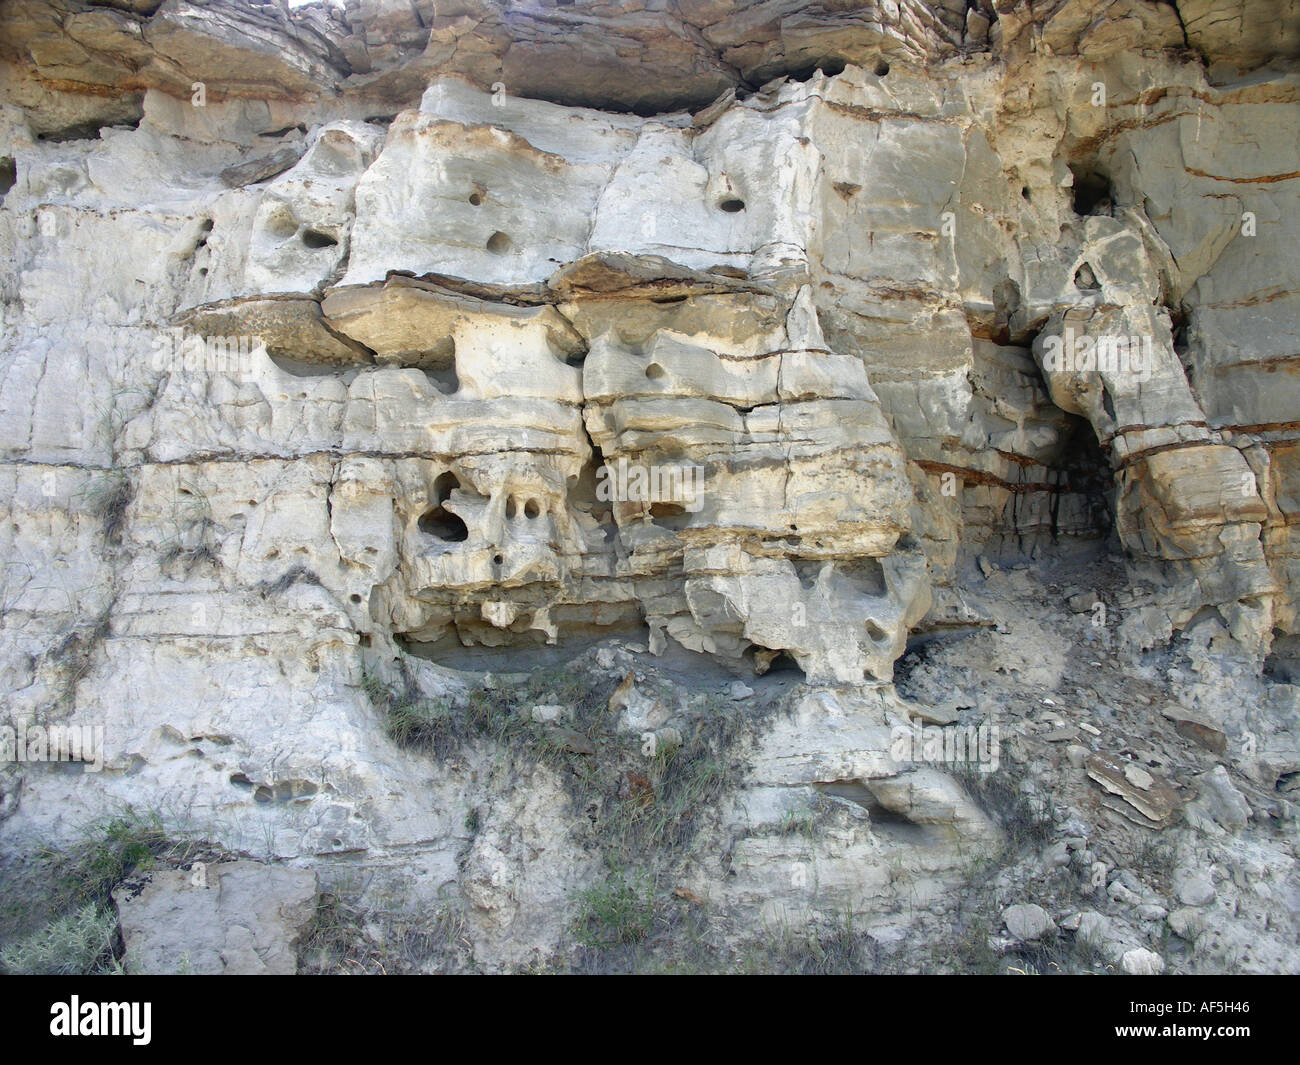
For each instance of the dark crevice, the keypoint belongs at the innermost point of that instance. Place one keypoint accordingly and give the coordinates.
(8, 177)
(438, 521)
(1093, 193)
(285, 131)
(315, 239)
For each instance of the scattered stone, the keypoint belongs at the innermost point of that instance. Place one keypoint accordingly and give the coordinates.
(1123, 894)
(1187, 922)
(1060, 735)
(1221, 799)
(1083, 602)
(1142, 962)
(1027, 921)
(1197, 728)
(1093, 928)
(1058, 854)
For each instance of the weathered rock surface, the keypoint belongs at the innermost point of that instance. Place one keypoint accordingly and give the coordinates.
(234, 919)
(898, 356)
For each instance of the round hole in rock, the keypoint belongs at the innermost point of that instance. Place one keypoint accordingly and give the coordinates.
(498, 243)
(443, 524)
(654, 371)
(732, 206)
(314, 238)
(476, 198)
(1024, 192)
(877, 634)
(356, 598)
(531, 509)
(497, 560)
(882, 68)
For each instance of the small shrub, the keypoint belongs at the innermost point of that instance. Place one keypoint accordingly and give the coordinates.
(76, 944)
(615, 912)
(1000, 796)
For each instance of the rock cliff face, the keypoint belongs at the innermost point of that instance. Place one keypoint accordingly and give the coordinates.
(480, 444)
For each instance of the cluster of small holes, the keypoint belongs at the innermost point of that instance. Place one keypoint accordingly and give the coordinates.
(532, 509)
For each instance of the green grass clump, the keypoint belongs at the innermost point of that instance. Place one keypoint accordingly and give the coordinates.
(109, 851)
(617, 911)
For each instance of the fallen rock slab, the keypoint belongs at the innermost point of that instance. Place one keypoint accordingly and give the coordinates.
(237, 919)
(1145, 798)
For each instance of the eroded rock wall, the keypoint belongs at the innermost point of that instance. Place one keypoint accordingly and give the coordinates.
(336, 340)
